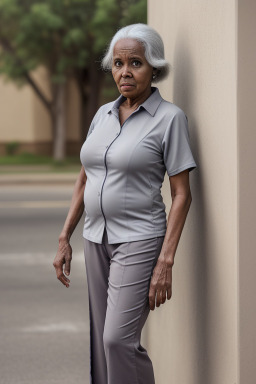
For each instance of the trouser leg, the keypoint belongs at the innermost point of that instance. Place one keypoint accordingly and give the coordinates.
(131, 269)
(97, 270)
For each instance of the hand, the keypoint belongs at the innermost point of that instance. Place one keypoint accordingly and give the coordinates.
(161, 283)
(63, 256)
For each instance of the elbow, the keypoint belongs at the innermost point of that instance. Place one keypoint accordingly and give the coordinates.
(185, 200)
(82, 177)
(185, 196)
(84, 180)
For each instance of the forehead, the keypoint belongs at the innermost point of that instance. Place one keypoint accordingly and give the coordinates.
(128, 46)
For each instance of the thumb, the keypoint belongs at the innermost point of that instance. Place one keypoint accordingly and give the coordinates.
(67, 267)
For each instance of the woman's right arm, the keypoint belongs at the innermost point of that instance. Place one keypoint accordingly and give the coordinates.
(64, 253)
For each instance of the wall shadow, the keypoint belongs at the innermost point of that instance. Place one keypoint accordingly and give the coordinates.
(183, 73)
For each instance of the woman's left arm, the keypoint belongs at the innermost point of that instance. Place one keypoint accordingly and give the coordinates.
(161, 280)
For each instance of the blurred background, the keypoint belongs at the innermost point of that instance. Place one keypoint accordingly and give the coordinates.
(51, 85)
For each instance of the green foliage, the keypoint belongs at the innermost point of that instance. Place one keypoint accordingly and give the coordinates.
(12, 147)
(135, 13)
(63, 35)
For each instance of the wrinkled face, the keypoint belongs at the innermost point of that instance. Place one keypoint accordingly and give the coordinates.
(130, 69)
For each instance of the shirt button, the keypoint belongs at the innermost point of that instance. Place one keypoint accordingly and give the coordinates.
(98, 193)
(106, 146)
(117, 133)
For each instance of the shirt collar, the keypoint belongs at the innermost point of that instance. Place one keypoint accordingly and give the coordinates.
(150, 104)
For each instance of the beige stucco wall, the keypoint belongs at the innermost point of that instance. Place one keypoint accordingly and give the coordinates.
(247, 188)
(24, 118)
(193, 338)
(16, 121)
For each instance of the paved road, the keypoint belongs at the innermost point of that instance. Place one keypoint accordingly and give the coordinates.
(44, 336)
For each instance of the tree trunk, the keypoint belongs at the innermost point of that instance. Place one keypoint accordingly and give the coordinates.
(59, 123)
(84, 116)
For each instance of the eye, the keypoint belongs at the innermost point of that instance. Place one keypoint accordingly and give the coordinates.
(118, 63)
(136, 63)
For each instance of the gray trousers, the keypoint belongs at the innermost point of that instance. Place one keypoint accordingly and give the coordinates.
(118, 277)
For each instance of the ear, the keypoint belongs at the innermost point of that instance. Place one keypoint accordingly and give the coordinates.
(154, 73)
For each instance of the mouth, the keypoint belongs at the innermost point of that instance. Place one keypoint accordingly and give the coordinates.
(126, 85)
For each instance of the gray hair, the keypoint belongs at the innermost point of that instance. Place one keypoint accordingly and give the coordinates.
(153, 45)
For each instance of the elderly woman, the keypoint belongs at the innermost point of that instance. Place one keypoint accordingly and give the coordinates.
(129, 248)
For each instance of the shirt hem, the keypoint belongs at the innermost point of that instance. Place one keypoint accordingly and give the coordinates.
(126, 239)
(178, 170)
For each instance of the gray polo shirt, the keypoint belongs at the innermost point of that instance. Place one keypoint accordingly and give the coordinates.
(125, 167)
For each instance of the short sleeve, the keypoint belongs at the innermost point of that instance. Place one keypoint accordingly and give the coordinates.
(177, 154)
(92, 125)
(90, 129)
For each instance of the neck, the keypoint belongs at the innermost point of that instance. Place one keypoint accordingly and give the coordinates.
(135, 102)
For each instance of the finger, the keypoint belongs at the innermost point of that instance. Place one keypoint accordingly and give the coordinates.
(61, 276)
(158, 298)
(64, 280)
(152, 303)
(163, 296)
(151, 297)
(169, 293)
(169, 283)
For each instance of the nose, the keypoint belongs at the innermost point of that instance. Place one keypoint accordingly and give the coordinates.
(126, 72)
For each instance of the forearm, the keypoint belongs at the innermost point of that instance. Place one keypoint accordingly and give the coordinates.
(176, 220)
(76, 209)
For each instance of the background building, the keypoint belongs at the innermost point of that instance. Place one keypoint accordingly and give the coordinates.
(24, 119)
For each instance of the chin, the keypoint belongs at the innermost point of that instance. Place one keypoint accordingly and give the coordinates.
(127, 93)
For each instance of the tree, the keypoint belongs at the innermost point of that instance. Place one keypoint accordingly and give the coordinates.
(68, 37)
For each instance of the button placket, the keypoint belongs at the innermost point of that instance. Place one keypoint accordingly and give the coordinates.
(106, 168)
